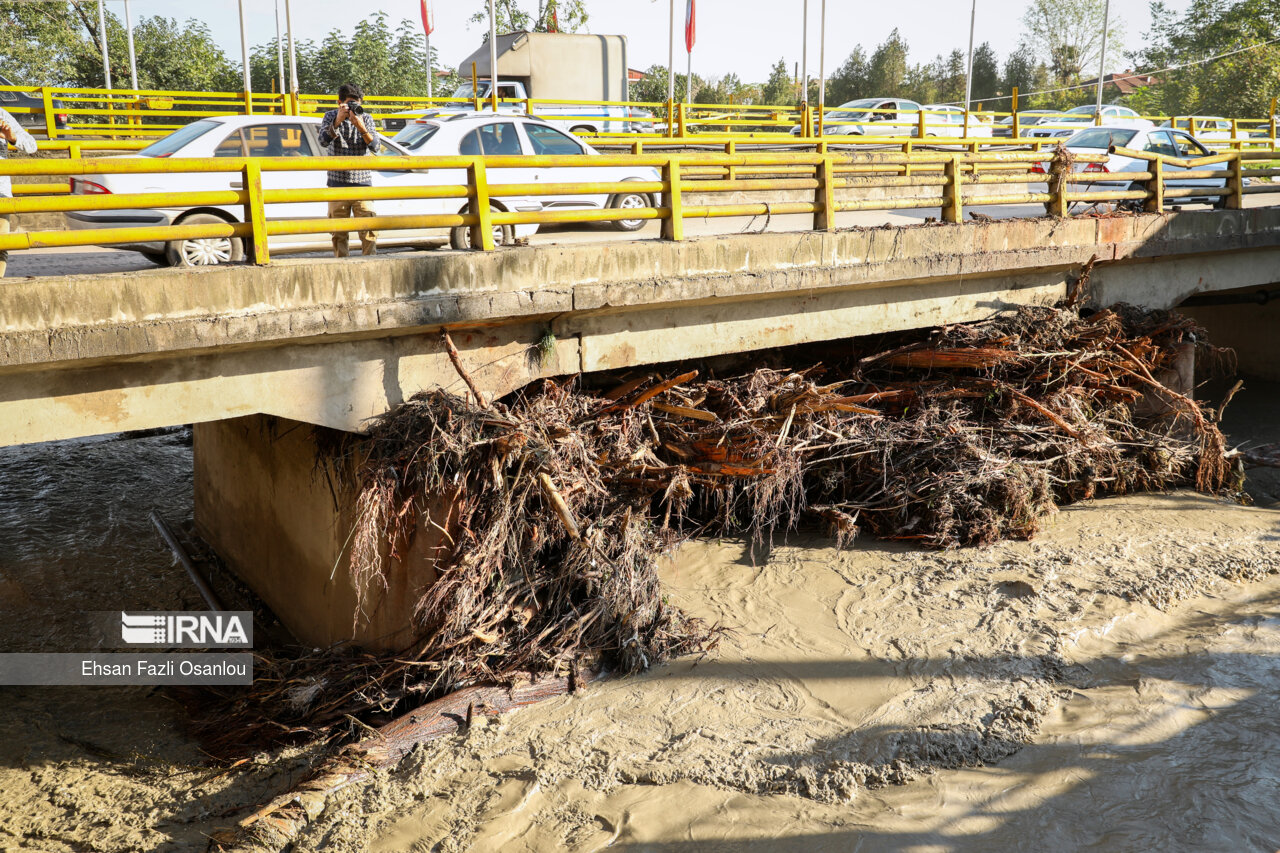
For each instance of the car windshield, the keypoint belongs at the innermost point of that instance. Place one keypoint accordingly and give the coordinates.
(1081, 111)
(177, 140)
(415, 134)
(1101, 138)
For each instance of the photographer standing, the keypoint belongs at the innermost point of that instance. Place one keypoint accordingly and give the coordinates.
(13, 134)
(348, 132)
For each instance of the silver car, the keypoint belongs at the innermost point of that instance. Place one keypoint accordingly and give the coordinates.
(1077, 117)
(871, 117)
(1170, 142)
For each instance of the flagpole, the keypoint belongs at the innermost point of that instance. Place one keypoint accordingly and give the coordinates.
(968, 74)
(822, 64)
(280, 51)
(293, 55)
(244, 58)
(804, 55)
(430, 72)
(689, 22)
(493, 57)
(671, 57)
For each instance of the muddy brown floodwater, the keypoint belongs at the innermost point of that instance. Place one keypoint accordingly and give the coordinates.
(1111, 685)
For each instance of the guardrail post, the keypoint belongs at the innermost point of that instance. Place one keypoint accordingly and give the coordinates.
(1273, 122)
(824, 200)
(50, 120)
(731, 171)
(1017, 127)
(1235, 183)
(478, 193)
(673, 225)
(1155, 189)
(684, 117)
(73, 151)
(906, 164)
(1059, 171)
(952, 193)
(255, 212)
(921, 125)
(637, 147)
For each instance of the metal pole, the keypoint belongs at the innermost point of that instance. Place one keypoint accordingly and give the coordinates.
(688, 81)
(284, 84)
(102, 36)
(293, 55)
(493, 57)
(133, 60)
(671, 55)
(968, 75)
(822, 64)
(202, 586)
(244, 57)
(804, 55)
(1102, 61)
(431, 74)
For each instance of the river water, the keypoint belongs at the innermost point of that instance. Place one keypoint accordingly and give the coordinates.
(1109, 686)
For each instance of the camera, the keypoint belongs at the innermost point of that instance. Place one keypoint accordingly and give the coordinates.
(354, 106)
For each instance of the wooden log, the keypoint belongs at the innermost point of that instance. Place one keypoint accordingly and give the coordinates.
(558, 504)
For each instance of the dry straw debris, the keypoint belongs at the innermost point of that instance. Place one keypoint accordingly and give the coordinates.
(568, 495)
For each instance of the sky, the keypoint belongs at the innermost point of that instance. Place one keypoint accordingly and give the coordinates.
(745, 37)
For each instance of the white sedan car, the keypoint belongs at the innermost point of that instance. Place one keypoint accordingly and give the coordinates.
(269, 136)
(1076, 118)
(490, 134)
(1167, 141)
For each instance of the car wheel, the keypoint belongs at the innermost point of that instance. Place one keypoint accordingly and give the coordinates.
(206, 251)
(460, 237)
(629, 201)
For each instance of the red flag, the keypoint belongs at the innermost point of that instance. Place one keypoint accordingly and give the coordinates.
(555, 22)
(689, 27)
(426, 18)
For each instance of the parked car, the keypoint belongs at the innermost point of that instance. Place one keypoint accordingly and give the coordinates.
(1066, 124)
(1167, 141)
(1026, 119)
(952, 119)
(18, 104)
(486, 133)
(871, 117)
(1202, 127)
(267, 136)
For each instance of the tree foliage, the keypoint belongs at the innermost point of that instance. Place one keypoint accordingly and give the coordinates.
(565, 16)
(1068, 33)
(1239, 85)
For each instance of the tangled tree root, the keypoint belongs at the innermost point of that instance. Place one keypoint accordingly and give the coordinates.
(568, 495)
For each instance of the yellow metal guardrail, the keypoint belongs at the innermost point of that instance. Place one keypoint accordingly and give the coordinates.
(821, 172)
(143, 113)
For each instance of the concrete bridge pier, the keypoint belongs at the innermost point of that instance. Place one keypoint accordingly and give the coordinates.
(278, 504)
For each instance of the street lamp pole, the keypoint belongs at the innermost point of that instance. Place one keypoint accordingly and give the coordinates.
(1102, 62)
(804, 55)
(822, 64)
(102, 34)
(133, 60)
(968, 75)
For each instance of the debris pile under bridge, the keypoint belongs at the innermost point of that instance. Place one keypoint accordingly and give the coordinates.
(567, 494)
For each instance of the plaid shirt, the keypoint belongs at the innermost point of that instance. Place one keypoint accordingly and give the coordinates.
(345, 140)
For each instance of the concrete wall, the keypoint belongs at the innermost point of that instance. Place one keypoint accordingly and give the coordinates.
(337, 342)
(280, 513)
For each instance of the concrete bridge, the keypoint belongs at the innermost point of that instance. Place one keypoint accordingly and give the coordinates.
(332, 343)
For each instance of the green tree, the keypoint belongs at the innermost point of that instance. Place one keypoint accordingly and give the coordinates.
(1069, 33)
(1024, 70)
(887, 72)
(1239, 85)
(565, 16)
(780, 88)
(986, 73)
(850, 80)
